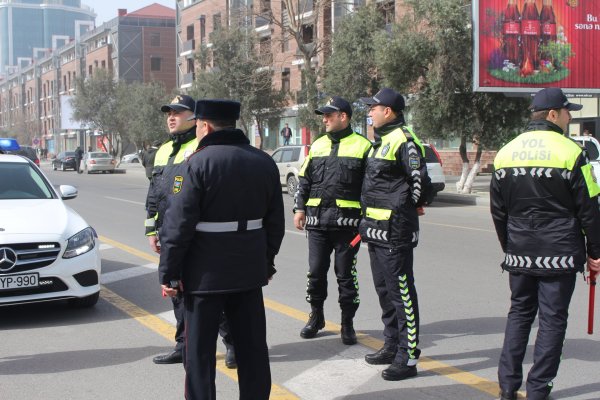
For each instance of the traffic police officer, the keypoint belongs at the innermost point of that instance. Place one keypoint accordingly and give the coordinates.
(223, 228)
(181, 145)
(328, 206)
(395, 187)
(545, 209)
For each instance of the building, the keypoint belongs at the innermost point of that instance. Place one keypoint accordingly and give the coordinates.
(135, 47)
(30, 28)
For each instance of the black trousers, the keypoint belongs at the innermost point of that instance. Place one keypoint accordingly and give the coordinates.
(179, 311)
(321, 244)
(395, 286)
(245, 313)
(549, 297)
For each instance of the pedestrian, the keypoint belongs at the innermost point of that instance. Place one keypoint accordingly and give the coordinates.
(327, 205)
(219, 248)
(545, 209)
(148, 157)
(181, 144)
(286, 132)
(395, 188)
(78, 157)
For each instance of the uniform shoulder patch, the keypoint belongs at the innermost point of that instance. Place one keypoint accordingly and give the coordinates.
(414, 162)
(177, 184)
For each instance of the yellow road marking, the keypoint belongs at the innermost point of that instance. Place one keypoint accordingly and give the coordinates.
(426, 363)
(167, 331)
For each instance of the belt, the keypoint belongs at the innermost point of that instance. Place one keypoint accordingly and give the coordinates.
(234, 226)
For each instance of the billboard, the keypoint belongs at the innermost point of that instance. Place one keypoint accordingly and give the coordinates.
(524, 45)
(66, 115)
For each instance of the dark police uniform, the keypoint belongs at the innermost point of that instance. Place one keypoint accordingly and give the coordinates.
(223, 228)
(329, 194)
(544, 205)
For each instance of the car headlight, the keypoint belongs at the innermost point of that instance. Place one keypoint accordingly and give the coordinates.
(80, 243)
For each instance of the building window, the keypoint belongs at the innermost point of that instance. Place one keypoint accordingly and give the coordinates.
(216, 21)
(103, 64)
(155, 39)
(202, 29)
(90, 70)
(190, 65)
(189, 32)
(285, 81)
(155, 63)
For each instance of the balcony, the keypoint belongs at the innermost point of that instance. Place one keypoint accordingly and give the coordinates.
(188, 47)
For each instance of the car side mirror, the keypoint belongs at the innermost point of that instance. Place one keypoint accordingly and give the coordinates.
(67, 192)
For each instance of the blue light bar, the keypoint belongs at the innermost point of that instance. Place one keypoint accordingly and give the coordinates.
(9, 144)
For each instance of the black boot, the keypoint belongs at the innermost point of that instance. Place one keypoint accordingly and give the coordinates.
(385, 355)
(398, 372)
(316, 322)
(230, 356)
(508, 395)
(347, 331)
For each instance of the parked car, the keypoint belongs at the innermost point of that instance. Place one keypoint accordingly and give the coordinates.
(97, 161)
(434, 168)
(289, 159)
(64, 160)
(47, 251)
(29, 152)
(131, 158)
(592, 147)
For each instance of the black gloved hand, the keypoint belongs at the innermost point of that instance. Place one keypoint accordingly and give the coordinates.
(271, 266)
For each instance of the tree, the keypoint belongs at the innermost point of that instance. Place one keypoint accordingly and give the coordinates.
(241, 71)
(430, 55)
(138, 107)
(351, 70)
(95, 104)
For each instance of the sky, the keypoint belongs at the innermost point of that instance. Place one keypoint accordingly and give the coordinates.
(107, 9)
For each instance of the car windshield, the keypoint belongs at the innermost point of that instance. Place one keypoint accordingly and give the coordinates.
(20, 181)
(70, 154)
(430, 156)
(99, 155)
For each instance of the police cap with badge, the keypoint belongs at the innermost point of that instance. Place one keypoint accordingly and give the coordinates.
(552, 99)
(335, 104)
(217, 110)
(386, 97)
(179, 103)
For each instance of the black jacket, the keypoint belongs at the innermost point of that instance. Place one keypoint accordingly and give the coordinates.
(226, 180)
(544, 203)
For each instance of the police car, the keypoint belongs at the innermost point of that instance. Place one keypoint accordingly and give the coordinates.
(47, 251)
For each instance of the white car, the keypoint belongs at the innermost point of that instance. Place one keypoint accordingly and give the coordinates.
(289, 160)
(47, 251)
(131, 158)
(434, 168)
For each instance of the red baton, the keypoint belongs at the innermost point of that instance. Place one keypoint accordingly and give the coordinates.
(355, 241)
(592, 282)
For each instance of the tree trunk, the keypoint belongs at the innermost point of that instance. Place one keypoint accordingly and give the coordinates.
(462, 149)
(468, 187)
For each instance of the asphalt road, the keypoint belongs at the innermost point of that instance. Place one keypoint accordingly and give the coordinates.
(50, 351)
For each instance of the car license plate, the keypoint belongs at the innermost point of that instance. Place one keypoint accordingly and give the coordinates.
(21, 281)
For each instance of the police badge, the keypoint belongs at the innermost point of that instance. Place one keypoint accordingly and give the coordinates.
(414, 162)
(385, 150)
(177, 184)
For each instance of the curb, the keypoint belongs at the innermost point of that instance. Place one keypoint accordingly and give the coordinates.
(479, 199)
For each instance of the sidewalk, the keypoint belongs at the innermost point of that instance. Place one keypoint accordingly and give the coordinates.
(479, 196)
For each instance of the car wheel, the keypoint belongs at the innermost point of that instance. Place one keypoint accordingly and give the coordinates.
(292, 185)
(135, 160)
(85, 302)
(63, 167)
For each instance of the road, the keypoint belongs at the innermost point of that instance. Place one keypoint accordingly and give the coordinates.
(50, 351)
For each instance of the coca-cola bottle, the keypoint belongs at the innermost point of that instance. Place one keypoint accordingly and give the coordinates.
(548, 22)
(511, 33)
(530, 35)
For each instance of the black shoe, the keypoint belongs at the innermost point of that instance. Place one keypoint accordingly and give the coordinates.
(385, 355)
(397, 372)
(174, 357)
(316, 321)
(230, 357)
(348, 334)
(507, 395)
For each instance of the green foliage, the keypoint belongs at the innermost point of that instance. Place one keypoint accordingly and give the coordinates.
(240, 73)
(558, 52)
(430, 56)
(95, 102)
(537, 79)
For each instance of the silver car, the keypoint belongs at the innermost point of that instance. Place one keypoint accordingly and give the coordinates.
(97, 161)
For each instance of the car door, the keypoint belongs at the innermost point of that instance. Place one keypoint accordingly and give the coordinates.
(277, 158)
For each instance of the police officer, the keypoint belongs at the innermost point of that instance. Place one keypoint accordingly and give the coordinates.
(395, 187)
(180, 146)
(545, 209)
(222, 231)
(328, 206)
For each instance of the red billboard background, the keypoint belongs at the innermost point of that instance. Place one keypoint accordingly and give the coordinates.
(570, 59)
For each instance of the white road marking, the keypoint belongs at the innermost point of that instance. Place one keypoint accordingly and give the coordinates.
(125, 200)
(347, 369)
(127, 273)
